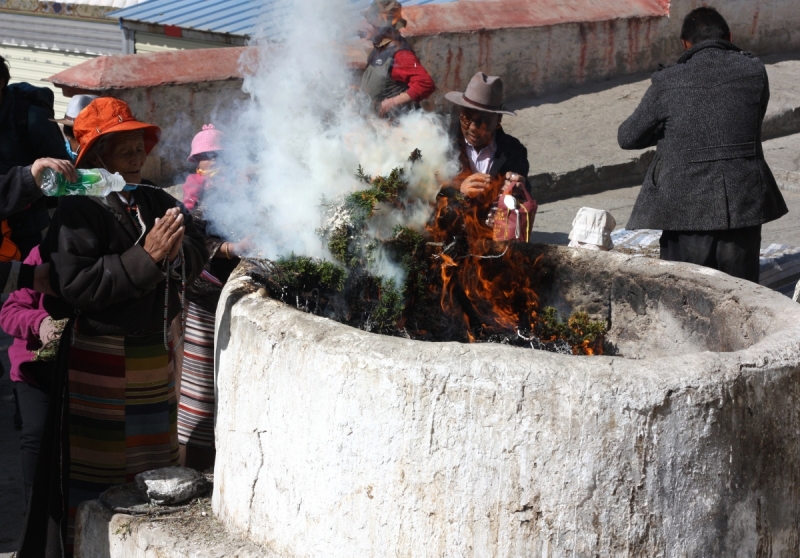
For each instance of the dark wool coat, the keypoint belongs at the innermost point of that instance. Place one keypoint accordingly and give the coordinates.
(104, 274)
(44, 137)
(705, 115)
(18, 190)
(44, 140)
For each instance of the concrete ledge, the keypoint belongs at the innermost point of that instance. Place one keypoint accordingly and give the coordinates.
(552, 186)
(783, 156)
(788, 180)
(103, 534)
(335, 442)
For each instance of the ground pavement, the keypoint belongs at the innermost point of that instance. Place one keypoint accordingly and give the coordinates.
(554, 219)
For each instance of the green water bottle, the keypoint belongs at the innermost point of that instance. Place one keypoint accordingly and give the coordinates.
(91, 182)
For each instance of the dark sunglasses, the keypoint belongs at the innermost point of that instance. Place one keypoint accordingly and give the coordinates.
(479, 119)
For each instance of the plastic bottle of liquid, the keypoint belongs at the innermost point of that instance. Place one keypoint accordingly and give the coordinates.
(91, 182)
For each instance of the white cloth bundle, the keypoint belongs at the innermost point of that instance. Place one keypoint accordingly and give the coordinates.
(591, 229)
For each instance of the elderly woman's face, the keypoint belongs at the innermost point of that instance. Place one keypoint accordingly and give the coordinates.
(126, 155)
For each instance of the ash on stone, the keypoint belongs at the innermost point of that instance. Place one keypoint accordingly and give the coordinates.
(170, 485)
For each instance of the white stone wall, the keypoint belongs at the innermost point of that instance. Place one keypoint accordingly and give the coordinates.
(180, 111)
(338, 443)
(538, 60)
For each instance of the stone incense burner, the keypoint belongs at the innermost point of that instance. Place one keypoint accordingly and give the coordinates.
(336, 442)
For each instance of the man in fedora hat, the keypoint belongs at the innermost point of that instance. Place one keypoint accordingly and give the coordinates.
(26, 135)
(394, 77)
(486, 151)
(19, 188)
(76, 105)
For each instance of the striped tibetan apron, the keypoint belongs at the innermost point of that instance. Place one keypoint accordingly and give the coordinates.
(196, 409)
(122, 413)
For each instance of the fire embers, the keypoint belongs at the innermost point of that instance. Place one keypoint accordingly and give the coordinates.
(460, 281)
(485, 280)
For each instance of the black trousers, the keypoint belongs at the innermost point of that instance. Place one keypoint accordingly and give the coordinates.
(33, 406)
(734, 251)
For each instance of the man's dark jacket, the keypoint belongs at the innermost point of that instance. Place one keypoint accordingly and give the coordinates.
(44, 139)
(18, 190)
(709, 172)
(511, 156)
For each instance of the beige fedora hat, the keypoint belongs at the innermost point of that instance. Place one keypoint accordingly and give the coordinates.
(76, 105)
(483, 93)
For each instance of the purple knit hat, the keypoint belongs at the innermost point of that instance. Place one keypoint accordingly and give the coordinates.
(210, 139)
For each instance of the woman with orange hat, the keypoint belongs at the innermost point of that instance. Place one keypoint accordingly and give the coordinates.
(122, 262)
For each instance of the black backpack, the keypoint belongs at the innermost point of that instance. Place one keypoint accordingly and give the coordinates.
(26, 95)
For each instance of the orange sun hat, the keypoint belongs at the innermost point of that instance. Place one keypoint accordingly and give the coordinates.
(107, 115)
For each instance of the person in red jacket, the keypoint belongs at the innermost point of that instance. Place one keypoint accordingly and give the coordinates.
(394, 77)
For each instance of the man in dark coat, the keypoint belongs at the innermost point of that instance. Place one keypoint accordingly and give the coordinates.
(19, 187)
(708, 188)
(486, 151)
(26, 134)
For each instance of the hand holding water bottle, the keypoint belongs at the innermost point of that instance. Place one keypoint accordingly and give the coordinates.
(165, 238)
(89, 182)
(65, 168)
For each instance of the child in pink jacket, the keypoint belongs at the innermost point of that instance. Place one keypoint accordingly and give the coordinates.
(25, 319)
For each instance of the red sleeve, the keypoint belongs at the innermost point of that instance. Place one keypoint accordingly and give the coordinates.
(408, 69)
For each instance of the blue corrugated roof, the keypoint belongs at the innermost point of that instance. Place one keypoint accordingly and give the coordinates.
(236, 17)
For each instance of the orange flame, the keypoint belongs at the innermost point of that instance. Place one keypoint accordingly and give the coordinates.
(490, 286)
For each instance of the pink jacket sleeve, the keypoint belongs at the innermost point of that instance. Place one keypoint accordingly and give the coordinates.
(192, 189)
(22, 314)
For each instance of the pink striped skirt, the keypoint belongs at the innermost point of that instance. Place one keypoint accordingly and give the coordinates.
(196, 408)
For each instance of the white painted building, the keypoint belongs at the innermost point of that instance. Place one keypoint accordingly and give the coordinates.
(41, 39)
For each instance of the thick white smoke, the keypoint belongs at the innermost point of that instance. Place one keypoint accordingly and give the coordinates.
(298, 144)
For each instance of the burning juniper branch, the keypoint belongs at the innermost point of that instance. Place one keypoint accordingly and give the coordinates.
(350, 290)
(489, 282)
(458, 282)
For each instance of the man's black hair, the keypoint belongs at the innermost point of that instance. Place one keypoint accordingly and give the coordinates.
(69, 131)
(5, 74)
(703, 24)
